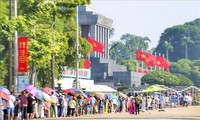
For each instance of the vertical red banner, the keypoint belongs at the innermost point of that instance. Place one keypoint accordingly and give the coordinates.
(22, 54)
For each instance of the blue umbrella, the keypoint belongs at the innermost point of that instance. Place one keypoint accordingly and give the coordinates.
(109, 96)
(4, 90)
(80, 92)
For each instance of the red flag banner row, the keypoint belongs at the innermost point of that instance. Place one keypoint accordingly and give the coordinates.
(151, 60)
(140, 70)
(22, 54)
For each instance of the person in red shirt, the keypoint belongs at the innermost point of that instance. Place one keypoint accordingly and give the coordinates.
(23, 104)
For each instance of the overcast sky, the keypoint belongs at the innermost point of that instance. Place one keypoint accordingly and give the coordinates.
(146, 18)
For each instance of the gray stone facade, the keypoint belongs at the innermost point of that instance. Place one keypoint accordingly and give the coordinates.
(129, 79)
(103, 69)
(96, 26)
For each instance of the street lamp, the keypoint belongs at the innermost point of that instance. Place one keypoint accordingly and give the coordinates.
(59, 86)
(77, 51)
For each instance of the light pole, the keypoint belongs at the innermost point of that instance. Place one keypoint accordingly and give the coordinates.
(15, 52)
(77, 51)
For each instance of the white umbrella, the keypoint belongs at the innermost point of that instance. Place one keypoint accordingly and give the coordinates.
(46, 96)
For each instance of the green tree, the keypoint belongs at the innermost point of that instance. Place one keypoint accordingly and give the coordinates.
(188, 68)
(44, 39)
(117, 51)
(175, 36)
(185, 42)
(126, 47)
(160, 77)
(133, 42)
(131, 64)
(168, 48)
(184, 81)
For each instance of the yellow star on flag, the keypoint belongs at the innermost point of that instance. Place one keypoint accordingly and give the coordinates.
(158, 62)
(143, 56)
(94, 44)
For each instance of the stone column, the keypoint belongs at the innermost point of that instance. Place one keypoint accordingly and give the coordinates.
(100, 40)
(103, 40)
(106, 42)
(93, 35)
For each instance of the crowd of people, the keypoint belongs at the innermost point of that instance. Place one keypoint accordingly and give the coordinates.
(25, 106)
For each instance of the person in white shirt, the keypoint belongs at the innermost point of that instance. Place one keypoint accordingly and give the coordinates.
(1, 109)
(10, 106)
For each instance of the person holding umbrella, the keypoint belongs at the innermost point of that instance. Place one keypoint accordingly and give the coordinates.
(30, 107)
(23, 103)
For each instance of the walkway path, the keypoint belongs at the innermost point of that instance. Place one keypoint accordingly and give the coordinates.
(190, 113)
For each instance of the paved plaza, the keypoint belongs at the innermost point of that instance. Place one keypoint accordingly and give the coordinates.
(190, 113)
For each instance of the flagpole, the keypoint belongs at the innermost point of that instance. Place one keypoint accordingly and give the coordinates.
(136, 61)
(159, 55)
(164, 58)
(15, 53)
(142, 64)
(156, 61)
(151, 68)
(77, 50)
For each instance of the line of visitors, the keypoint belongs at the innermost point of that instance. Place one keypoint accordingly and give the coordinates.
(26, 106)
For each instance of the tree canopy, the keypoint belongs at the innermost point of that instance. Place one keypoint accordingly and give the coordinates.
(183, 41)
(125, 48)
(51, 29)
(160, 77)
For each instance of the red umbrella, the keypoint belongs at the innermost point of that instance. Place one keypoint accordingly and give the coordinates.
(48, 90)
(66, 91)
(4, 95)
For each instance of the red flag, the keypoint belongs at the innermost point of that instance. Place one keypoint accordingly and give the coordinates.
(141, 55)
(166, 64)
(22, 54)
(145, 57)
(87, 63)
(150, 60)
(96, 46)
(161, 62)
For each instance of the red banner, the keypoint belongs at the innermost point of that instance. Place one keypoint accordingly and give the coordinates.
(22, 54)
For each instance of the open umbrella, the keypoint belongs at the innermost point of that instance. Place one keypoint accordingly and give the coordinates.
(4, 95)
(66, 91)
(79, 92)
(47, 97)
(123, 95)
(4, 90)
(40, 95)
(48, 90)
(100, 96)
(74, 91)
(154, 88)
(109, 96)
(31, 89)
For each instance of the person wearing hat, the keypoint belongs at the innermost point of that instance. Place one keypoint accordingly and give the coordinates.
(131, 109)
